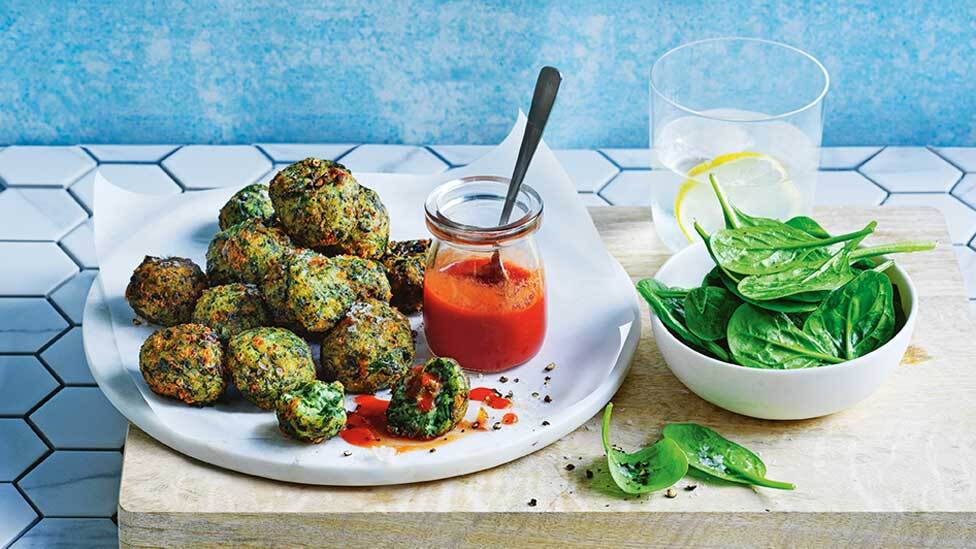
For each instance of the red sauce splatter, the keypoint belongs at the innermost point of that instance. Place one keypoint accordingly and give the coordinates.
(366, 427)
(490, 396)
(485, 326)
(509, 418)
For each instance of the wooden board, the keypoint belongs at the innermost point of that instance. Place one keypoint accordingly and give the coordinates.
(898, 469)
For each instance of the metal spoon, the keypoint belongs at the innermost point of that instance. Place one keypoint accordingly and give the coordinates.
(546, 88)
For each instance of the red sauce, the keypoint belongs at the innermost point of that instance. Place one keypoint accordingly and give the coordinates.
(509, 418)
(489, 396)
(485, 325)
(366, 427)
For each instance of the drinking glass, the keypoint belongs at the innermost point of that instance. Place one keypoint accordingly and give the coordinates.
(749, 112)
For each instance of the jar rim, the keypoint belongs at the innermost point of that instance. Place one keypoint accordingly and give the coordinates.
(450, 192)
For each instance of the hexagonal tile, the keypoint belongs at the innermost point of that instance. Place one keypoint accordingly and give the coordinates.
(967, 264)
(73, 294)
(24, 381)
(633, 188)
(140, 178)
(80, 417)
(461, 155)
(293, 152)
(33, 268)
(211, 166)
(19, 448)
(130, 153)
(966, 190)
(69, 532)
(43, 166)
(960, 218)
(38, 214)
(845, 158)
(589, 170)
(27, 323)
(393, 159)
(16, 512)
(963, 157)
(84, 190)
(66, 357)
(75, 483)
(80, 243)
(847, 189)
(911, 169)
(634, 159)
(592, 199)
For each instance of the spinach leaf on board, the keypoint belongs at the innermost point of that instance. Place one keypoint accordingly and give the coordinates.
(670, 310)
(715, 455)
(856, 318)
(707, 311)
(647, 470)
(767, 249)
(763, 339)
(830, 273)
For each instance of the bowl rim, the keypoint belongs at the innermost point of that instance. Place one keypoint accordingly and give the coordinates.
(659, 327)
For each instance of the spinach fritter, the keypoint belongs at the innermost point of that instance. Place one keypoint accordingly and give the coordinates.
(370, 349)
(371, 232)
(316, 202)
(163, 290)
(251, 202)
(405, 262)
(266, 362)
(312, 412)
(429, 401)
(244, 252)
(367, 277)
(230, 309)
(184, 362)
(308, 290)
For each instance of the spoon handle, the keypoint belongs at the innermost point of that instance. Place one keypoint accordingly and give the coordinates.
(546, 88)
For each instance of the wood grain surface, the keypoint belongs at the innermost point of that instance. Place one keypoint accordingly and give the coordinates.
(899, 469)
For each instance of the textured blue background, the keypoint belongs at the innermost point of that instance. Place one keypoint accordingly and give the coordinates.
(449, 72)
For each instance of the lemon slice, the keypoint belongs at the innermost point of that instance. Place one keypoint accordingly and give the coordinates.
(755, 182)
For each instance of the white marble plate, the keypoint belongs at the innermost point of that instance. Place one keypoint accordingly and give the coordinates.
(593, 331)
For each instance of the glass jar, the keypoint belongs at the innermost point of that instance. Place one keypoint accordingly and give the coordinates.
(484, 288)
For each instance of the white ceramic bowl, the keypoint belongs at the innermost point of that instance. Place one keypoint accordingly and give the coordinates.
(777, 394)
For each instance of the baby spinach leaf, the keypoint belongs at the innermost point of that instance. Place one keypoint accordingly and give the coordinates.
(764, 339)
(808, 226)
(729, 212)
(907, 246)
(856, 318)
(647, 470)
(770, 249)
(715, 455)
(707, 311)
(784, 305)
(670, 310)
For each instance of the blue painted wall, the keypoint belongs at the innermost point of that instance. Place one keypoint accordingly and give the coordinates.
(417, 71)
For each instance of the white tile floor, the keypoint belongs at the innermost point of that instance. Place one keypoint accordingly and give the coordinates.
(60, 438)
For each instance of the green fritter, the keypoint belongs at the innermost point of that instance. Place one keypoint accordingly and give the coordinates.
(308, 290)
(316, 202)
(312, 412)
(266, 362)
(405, 263)
(370, 349)
(230, 309)
(184, 362)
(163, 290)
(251, 202)
(244, 252)
(429, 401)
(371, 233)
(368, 278)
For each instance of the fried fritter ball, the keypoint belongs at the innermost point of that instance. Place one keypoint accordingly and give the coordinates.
(371, 233)
(163, 290)
(308, 290)
(368, 278)
(405, 263)
(244, 252)
(316, 202)
(184, 362)
(370, 349)
(230, 309)
(312, 412)
(266, 362)
(429, 401)
(251, 202)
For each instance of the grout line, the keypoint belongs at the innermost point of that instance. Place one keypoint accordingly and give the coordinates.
(932, 150)
(37, 519)
(171, 175)
(450, 165)
(347, 153)
(870, 158)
